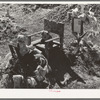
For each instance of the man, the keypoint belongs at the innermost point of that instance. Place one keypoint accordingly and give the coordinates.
(27, 55)
(30, 58)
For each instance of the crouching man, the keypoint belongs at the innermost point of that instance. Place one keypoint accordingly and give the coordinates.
(29, 59)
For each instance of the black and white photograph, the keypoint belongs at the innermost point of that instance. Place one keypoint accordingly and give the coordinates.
(49, 46)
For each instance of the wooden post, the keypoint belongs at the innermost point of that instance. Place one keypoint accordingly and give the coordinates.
(28, 40)
(61, 34)
(12, 51)
(77, 27)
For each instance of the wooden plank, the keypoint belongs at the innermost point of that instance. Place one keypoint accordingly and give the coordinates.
(47, 25)
(29, 37)
(56, 42)
(36, 42)
(35, 33)
(11, 47)
(52, 39)
(54, 27)
(60, 28)
(77, 27)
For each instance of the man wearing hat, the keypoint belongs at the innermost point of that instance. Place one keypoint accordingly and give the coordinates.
(29, 57)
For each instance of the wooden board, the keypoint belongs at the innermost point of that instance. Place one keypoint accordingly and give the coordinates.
(54, 27)
(77, 26)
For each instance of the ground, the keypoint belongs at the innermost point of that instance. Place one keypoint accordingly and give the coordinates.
(32, 21)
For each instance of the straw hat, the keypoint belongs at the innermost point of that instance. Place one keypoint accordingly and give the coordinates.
(45, 35)
(21, 38)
